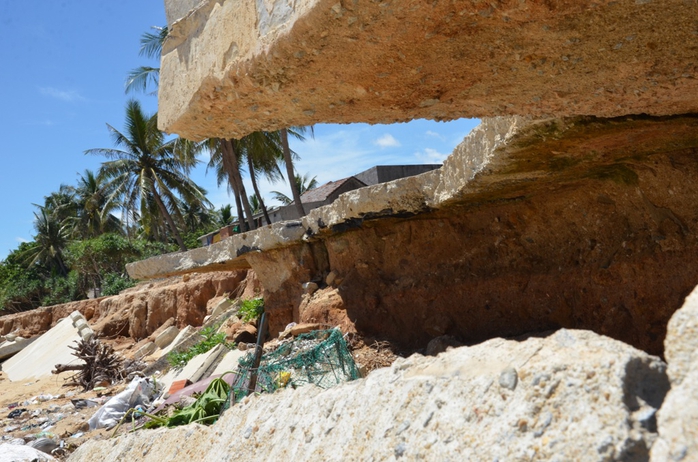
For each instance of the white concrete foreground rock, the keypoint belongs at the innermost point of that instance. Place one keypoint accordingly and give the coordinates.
(678, 419)
(574, 395)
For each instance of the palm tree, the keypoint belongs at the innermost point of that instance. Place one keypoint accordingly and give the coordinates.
(301, 184)
(150, 171)
(151, 47)
(52, 237)
(94, 207)
(288, 160)
(225, 215)
(261, 150)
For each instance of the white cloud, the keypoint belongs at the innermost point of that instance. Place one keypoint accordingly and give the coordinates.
(435, 135)
(69, 96)
(21, 239)
(430, 156)
(387, 141)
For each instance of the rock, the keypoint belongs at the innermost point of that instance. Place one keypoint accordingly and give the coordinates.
(440, 344)
(493, 243)
(246, 334)
(577, 398)
(166, 337)
(221, 307)
(15, 453)
(677, 420)
(44, 445)
(508, 378)
(310, 287)
(298, 329)
(331, 277)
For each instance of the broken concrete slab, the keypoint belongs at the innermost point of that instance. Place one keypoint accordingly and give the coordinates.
(166, 337)
(53, 347)
(231, 68)
(9, 348)
(578, 396)
(196, 369)
(182, 336)
(229, 362)
(225, 255)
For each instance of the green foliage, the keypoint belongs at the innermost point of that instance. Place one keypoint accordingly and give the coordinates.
(251, 309)
(113, 283)
(206, 408)
(191, 239)
(210, 339)
(62, 289)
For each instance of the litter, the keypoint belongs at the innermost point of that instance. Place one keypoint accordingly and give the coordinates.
(139, 391)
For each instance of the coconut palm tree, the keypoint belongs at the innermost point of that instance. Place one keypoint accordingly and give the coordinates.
(52, 238)
(149, 173)
(288, 160)
(151, 47)
(94, 211)
(301, 184)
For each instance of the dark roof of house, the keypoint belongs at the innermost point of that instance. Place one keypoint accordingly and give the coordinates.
(321, 193)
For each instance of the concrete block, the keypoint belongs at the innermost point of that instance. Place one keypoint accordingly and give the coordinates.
(166, 337)
(222, 306)
(195, 369)
(9, 349)
(145, 350)
(38, 359)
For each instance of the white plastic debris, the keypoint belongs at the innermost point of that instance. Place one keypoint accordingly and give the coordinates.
(139, 392)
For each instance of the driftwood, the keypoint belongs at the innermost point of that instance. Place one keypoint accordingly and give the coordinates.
(100, 365)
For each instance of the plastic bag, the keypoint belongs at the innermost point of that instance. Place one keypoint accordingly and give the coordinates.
(139, 392)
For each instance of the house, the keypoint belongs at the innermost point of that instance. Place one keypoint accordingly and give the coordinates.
(326, 194)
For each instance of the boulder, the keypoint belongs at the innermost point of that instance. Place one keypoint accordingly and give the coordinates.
(578, 396)
(677, 420)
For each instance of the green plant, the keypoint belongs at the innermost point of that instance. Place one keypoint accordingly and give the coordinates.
(179, 359)
(115, 283)
(251, 309)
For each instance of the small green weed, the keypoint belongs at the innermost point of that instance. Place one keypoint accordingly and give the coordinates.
(251, 309)
(210, 339)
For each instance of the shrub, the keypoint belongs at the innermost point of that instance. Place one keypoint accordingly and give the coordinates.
(251, 309)
(179, 359)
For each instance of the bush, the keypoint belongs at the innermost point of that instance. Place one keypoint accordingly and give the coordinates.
(251, 309)
(113, 283)
(210, 339)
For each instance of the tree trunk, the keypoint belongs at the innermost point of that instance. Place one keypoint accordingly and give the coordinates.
(169, 220)
(233, 170)
(256, 189)
(291, 176)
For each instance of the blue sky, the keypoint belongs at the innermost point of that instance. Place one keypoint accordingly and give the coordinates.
(62, 80)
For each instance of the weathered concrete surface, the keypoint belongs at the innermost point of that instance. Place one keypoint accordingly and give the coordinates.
(38, 359)
(678, 418)
(221, 256)
(574, 395)
(230, 68)
(579, 223)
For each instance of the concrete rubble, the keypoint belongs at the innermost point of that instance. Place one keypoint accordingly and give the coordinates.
(578, 396)
(38, 359)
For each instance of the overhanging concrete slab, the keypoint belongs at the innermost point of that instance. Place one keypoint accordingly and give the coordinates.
(230, 68)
